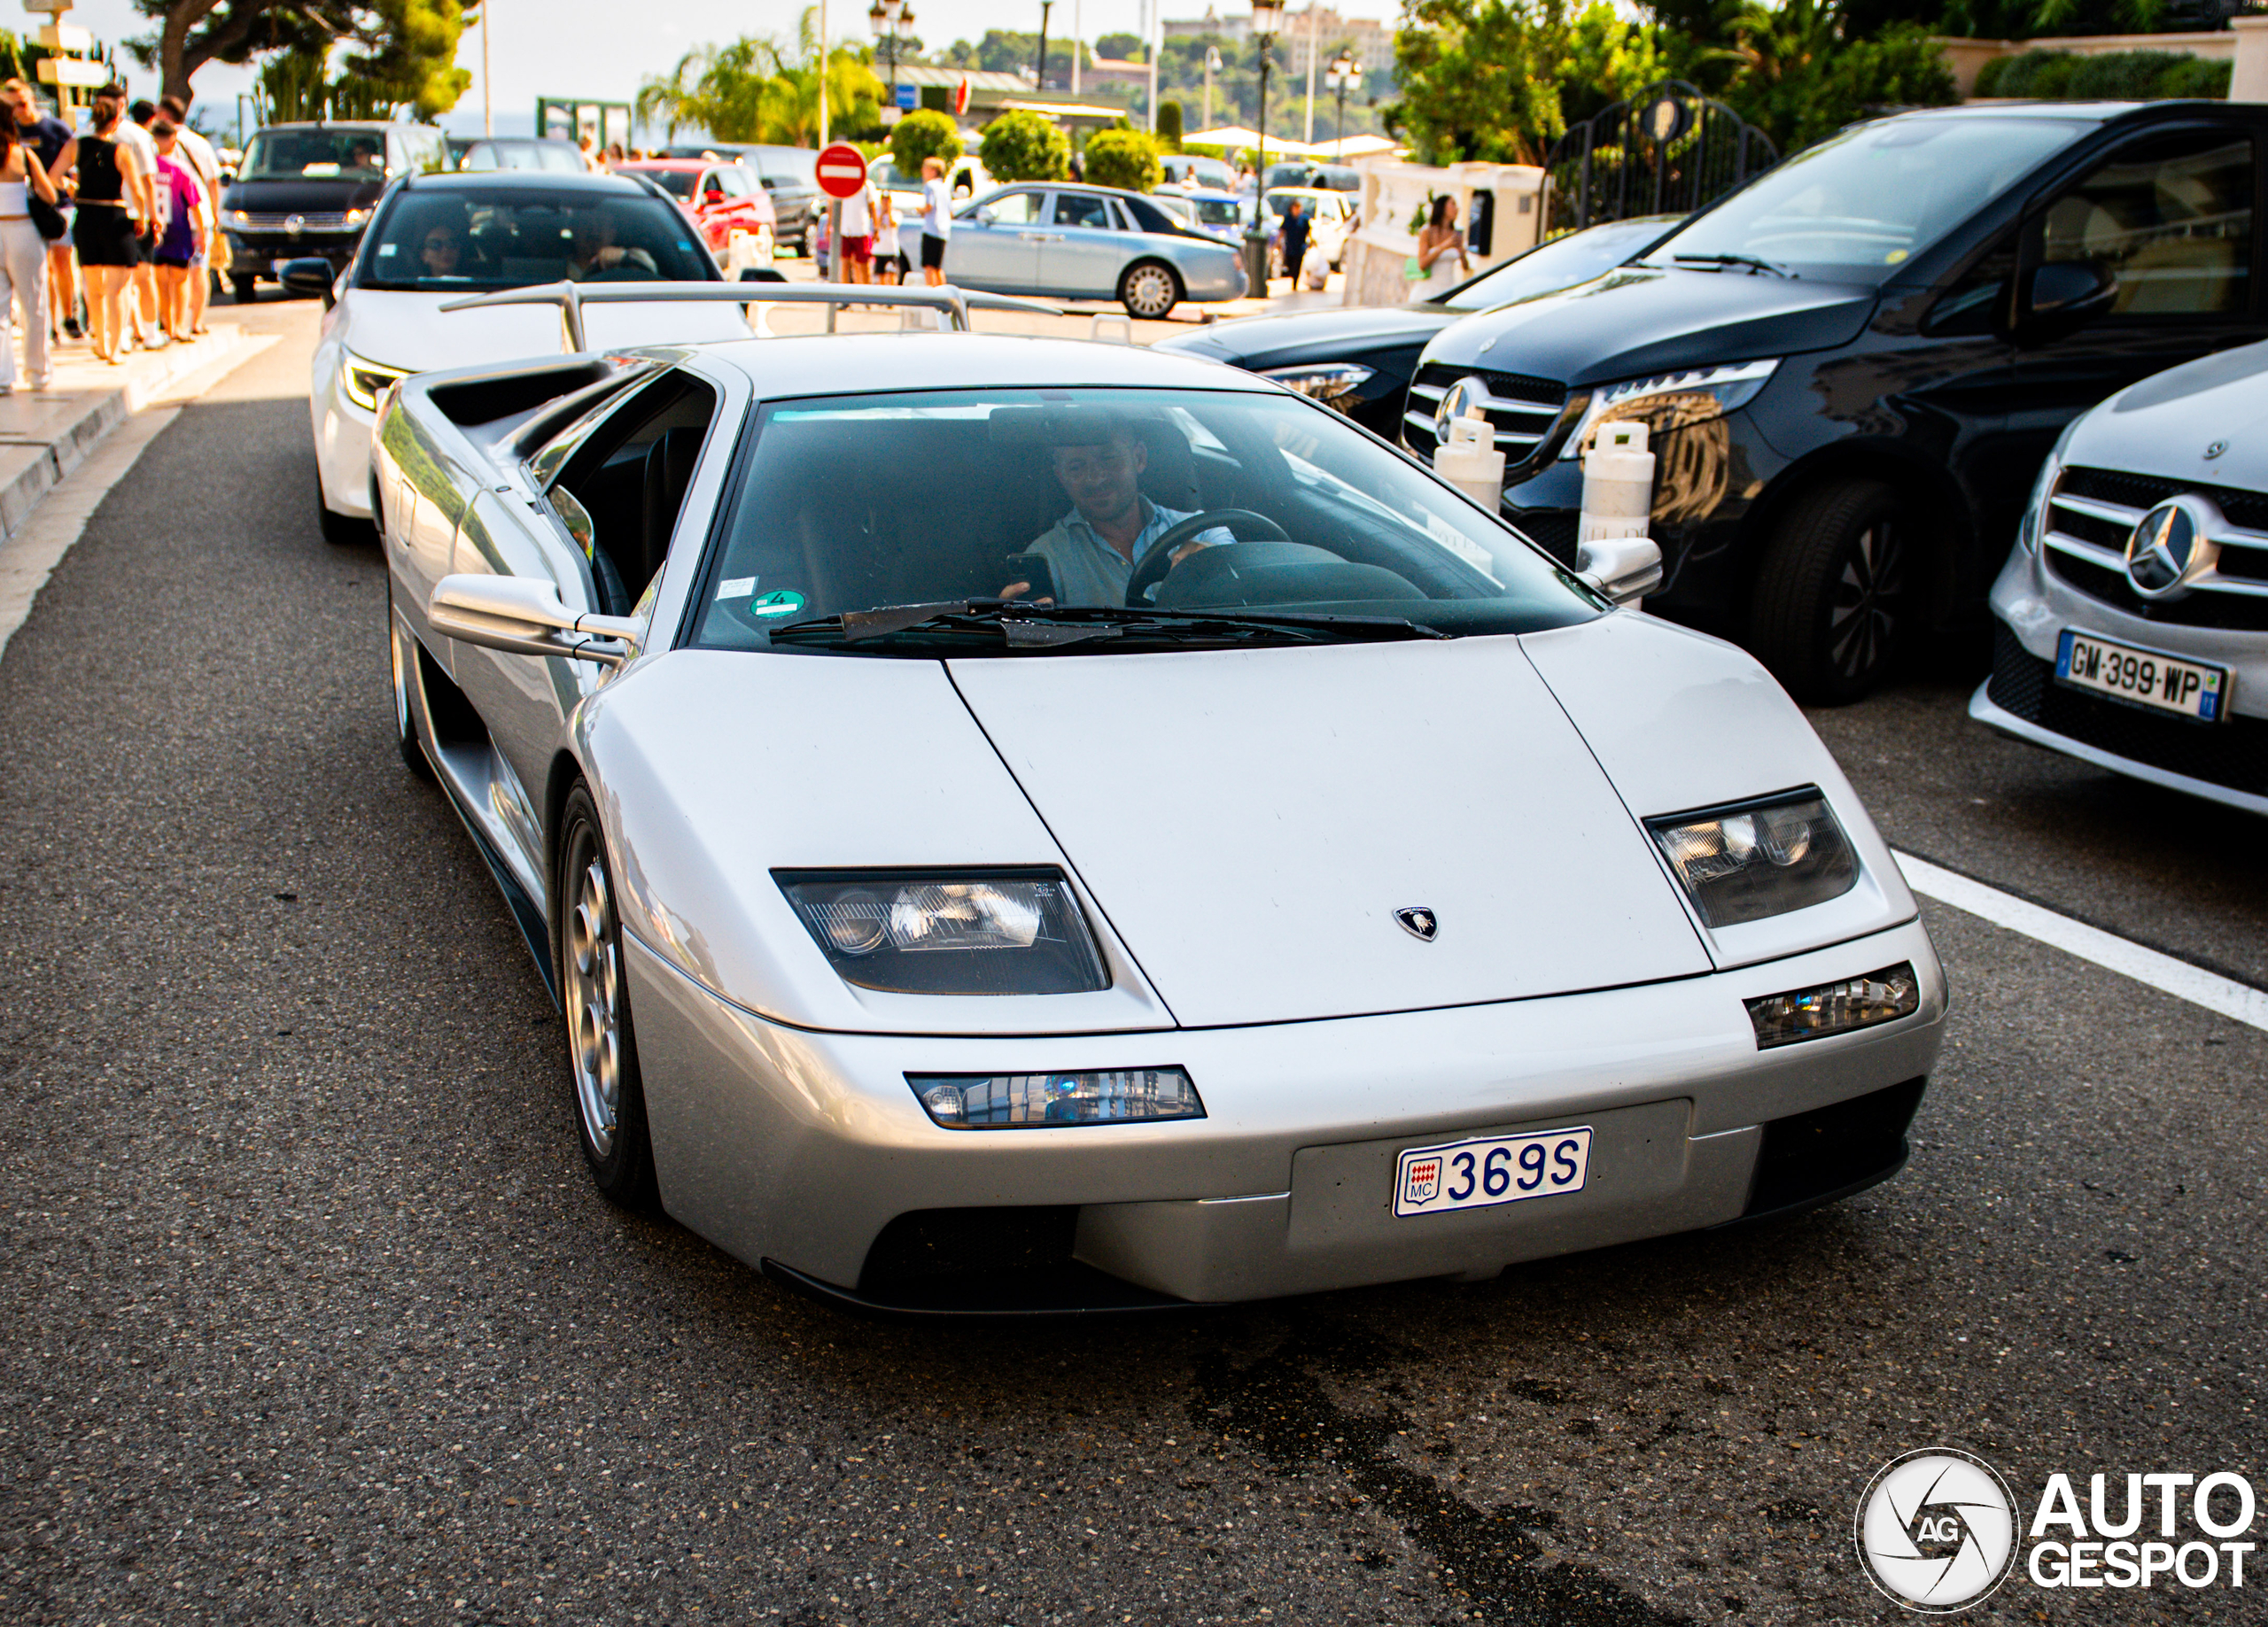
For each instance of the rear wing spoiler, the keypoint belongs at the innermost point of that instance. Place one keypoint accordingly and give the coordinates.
(570, 297)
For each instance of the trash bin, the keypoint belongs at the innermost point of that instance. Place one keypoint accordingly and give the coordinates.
(1255, 264)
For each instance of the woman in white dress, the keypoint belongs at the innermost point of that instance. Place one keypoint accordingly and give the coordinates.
(1440, 252)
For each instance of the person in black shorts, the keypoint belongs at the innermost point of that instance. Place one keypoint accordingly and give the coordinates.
(105, 237)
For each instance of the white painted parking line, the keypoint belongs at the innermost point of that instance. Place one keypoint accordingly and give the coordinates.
(2162, 973)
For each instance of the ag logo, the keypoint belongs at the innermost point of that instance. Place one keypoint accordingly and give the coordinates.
(2171, 546)
(1937, 1530)
(1458, 399)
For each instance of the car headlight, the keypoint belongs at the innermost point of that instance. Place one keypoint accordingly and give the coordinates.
(961, 933)
(1331, 383)
(1670, 401)
(365, 382)
(355, 217)
(1836, 1008)
(1035, 1101)
(239, 217)
(1759, 859)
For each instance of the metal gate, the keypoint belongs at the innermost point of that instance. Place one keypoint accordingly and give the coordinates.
(1668, 150)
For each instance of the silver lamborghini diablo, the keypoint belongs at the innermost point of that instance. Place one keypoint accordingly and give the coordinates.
(1016, 824)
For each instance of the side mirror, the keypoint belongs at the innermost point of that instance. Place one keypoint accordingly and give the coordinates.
(2064, 295)
(1625, 569)
(760, 274)
(983, 215)
(527, 617)
(712, 195)
(310, 278)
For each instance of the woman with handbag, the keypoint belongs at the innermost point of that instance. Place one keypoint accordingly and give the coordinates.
(104, 232)
(23, 258)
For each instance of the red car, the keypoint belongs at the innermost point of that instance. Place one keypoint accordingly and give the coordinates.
(722, 198)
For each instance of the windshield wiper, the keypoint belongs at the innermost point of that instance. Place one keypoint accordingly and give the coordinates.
(1753, 264)
(1021, 624)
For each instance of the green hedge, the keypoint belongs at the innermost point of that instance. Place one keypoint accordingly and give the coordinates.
(2120, 76)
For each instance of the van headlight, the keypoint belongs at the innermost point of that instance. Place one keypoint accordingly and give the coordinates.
(1759, 858)
(365, 382)
(993, 931)
(1668, 401)
(1331, 383)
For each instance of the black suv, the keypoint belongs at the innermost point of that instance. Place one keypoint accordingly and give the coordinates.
(1852, 367)
(307, 189)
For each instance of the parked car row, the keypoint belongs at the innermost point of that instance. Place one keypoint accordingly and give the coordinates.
(1852, 369)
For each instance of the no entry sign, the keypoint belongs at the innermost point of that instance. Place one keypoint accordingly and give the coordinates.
(841, 170)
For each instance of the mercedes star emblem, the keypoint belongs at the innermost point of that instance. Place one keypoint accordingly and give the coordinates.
(1418, 922)
(1456, 400)
(294, 225)
(2172, 546)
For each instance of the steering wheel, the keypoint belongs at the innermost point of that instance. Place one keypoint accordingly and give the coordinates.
(1158, 563)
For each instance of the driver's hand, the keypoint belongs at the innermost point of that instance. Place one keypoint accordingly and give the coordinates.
(1017, 590)
(1188, 548)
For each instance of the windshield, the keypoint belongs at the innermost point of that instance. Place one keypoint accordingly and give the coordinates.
(1217, 211)
(1200, 172)
(676, 182)
(788, 164)
(315, 155)
(1201, 504)
(1561, 263)
(1856, 207)
(470, 239)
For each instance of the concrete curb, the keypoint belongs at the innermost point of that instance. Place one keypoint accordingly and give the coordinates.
(100, 413)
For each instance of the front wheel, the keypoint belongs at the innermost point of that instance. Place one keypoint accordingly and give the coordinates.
(602, 1050)
(1833, 610)
(1149, 291)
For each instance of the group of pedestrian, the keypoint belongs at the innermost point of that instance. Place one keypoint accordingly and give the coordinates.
(130, 203)
(873, 249)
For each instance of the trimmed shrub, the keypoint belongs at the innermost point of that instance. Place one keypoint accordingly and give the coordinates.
(923, 135)
(2119, 76)
(1023, 146)
(1127, 159)
(1170, 126)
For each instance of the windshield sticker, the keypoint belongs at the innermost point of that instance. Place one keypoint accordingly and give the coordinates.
(385, 250)
(780, 602)
(736, 587)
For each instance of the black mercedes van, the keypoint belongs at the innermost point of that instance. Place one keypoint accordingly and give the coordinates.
(307, 189)
(1852, 367)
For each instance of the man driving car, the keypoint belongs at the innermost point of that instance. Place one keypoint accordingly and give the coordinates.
(1093, 551)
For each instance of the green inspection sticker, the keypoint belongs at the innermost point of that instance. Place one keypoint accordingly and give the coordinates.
(781, 601)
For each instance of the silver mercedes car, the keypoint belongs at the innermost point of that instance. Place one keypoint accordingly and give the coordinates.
(2131, 618)
(1169, 848)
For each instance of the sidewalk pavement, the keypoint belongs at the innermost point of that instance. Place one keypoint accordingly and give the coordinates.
(46, 434)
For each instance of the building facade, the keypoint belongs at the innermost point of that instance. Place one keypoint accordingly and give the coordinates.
(1371, 41)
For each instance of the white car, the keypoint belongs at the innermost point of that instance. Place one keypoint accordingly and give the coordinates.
(439, 239)
(2132, 628)
(1317, 886)
(1331, 218)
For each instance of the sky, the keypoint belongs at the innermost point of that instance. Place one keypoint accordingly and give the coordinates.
(590, 49)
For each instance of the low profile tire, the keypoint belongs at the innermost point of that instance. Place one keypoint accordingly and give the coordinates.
(602, 1050)
(1833, 607)
(405, 721)
(246, 289)
(1149, 289)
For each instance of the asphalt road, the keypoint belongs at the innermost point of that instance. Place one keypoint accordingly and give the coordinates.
(311, 1313)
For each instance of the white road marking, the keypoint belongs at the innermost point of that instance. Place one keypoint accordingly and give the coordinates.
(2162, 973)
(29, 557)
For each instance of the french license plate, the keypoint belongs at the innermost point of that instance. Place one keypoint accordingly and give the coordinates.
(1500, 1169)
(2163, 683)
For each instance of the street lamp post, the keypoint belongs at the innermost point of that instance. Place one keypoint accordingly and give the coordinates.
(1339, 76)
(891, 19)
(1039, 80)
(1267, 18)
(1212, 67)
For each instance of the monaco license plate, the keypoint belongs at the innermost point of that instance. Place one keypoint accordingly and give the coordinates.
(2145, 678)
(1499, 1169)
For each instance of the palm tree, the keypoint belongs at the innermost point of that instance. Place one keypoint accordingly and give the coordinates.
(762, 89)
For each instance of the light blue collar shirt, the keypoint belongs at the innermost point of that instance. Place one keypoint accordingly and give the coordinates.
(1088, 571)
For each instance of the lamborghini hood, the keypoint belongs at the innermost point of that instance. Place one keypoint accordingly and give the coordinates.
(1251, 822)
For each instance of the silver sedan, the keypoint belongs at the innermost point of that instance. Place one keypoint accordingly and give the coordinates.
(1089, 242)
(1176, 849)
